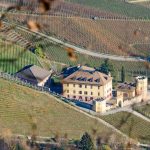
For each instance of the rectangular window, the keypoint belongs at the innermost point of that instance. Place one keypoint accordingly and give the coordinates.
(67, 84)
(86, 99)
(91, 86)
(67, 91)
(74, 91)
(91, 93)
(85, 92)
(85, 86)
(98, 94)
(80, 85)
(80, 92)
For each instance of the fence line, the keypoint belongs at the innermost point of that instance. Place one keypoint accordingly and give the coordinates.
(23, 83)
(45, 89)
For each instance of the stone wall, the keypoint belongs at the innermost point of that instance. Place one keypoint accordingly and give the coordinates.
(132, 101)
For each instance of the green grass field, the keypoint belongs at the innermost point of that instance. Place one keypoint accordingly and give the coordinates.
(117, 6)
(20, 107)
(145, 110)
(131, 125)
(13, 57)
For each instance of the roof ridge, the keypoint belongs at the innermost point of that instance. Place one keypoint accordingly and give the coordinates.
(104, 78)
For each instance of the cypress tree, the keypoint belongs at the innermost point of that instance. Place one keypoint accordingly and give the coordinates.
(122, 74)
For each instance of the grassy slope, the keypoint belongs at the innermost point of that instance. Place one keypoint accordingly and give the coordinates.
(21, 106)
(145, 110)
(131, 125)
(116, 6)
(53, 52)
(9, 52)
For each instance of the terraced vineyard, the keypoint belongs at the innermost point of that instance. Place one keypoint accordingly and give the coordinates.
(116, 6)
(61, 8)
(131, 125)
(53, 51)
(13, 57)
(144, 110)
(21, 107)
(119, 37)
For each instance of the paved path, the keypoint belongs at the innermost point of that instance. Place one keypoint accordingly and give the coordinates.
(127, 109)
(137, 1)
(81, 50)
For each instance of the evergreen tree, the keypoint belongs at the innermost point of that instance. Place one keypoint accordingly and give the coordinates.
(86, 142)
(122, 74)
(107, 67)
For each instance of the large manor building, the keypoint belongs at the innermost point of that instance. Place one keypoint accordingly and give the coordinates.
(87, 84)
(90, 86)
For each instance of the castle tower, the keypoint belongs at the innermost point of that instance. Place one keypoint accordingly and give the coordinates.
(99, 105)
(141, 86)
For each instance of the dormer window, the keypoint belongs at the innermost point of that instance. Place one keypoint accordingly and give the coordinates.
(90, 79)
(106, 78)
(97, 80)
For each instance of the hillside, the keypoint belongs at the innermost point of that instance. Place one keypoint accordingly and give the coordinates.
(53, 50)
(117, 37)
(116, 6)
(13, 57)
(130, 124)
(26, 107)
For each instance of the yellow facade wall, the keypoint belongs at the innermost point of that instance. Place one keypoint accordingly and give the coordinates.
(72, 90)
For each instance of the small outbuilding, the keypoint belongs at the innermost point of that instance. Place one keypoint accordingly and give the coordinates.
(35, 75)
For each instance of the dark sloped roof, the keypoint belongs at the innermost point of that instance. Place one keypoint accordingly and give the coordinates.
(126, 87)
(34, 74)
